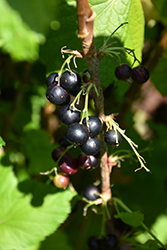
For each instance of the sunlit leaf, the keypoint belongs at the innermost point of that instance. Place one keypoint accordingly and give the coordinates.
(133, 219)
(22, 223)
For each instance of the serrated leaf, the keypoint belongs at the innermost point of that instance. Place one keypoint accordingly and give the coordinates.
(22, 223)
(110, 14)
(158, 76)
(133, 219)
(2, 143)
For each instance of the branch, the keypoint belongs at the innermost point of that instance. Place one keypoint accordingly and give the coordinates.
(86, 18)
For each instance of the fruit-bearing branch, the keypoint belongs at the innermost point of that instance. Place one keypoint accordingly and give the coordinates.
(85, 17)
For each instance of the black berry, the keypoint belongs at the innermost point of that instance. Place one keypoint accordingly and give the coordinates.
(91, 146)
(88, 162)
(94, 125)
(110, 137)
(68, 165)
(90, 192)
(84, 161)
(140, 74)
(110, 242)
(56, 153)
(94, 243)
(52, 79)
(70, 80)
(57, 95)
(68, 116)
(77, 133)
(123, 72)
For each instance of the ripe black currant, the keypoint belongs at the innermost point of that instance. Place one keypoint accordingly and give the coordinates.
(61, 180)
(68, 116)
(84, 161)
(110, 137)
(123, 72)
(140, 74)
(91, 146)
(94, 125)
(70, 80)
(56, 153)
(88, 161)
(90, 192)
(77, 133)
(57, 95)
(94, 243)
(68, 165)
(110, 242)
(52, 79)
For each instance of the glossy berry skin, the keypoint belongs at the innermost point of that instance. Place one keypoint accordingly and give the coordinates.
(91, 146)
(56, 153)
(67, 116)
(94, 125)
(61, 180)
(77, 133)
(70, 81)
(84, 161)
(52, 79)
(68, 165)
(57, 95)
(94, 161)
(140, 74)
(94, 243)
(123, 72)
(110, 137)
(110, 242)
(90, 192)
(88, 162)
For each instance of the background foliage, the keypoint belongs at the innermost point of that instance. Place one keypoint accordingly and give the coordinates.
(31, 36)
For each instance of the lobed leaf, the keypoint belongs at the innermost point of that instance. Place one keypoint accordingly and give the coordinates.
(22, 223)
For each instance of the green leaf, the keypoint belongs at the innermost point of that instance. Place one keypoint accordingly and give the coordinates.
(22, 223)
(37, 148)
(158, 76)
(133, 219)
(2, 143)
(110, 14)
(149, 245)
(16, 38)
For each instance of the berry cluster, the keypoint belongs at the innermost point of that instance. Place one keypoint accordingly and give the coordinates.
(80, 132)
(110, 242)
(138, 74)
